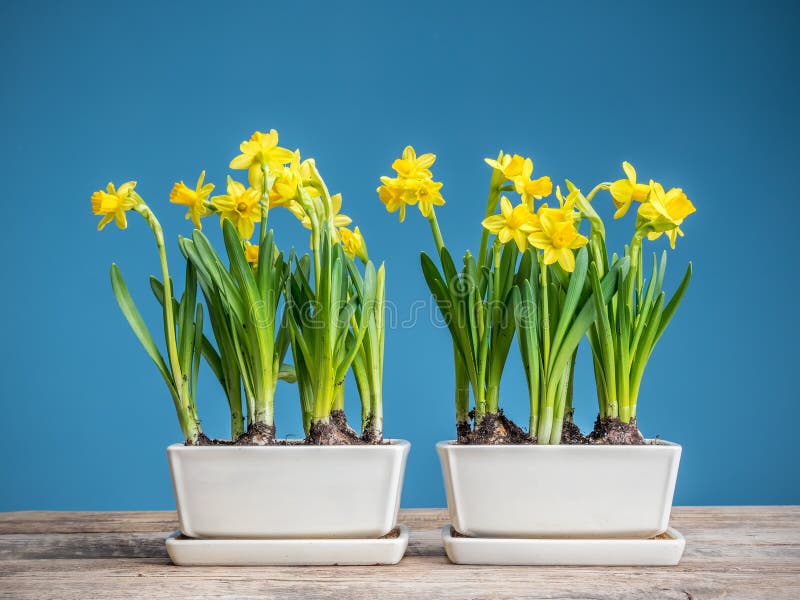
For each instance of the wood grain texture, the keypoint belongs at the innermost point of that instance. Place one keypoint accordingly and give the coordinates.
(732, 552)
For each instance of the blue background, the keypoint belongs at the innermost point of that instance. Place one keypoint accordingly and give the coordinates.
(697, 95)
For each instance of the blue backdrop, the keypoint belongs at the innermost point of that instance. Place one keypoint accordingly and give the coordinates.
(697, 95)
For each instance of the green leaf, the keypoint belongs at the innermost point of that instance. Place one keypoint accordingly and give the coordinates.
(239, 265)
(574, 291)
(138, 326)
(585, 318)
(604, 347)
(672, 305)
(206, 260)
(186, 314)
(441, 293)
(197, 347)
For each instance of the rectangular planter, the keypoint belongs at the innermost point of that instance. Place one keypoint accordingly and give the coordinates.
(560, 491)
(287, 492)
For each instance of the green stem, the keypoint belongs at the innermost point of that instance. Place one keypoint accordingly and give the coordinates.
(462, 388)
(262, 234)
(237, 424)
(190, 424)
(338, 398)
(545, 315)
(437, 233)
(491, 206)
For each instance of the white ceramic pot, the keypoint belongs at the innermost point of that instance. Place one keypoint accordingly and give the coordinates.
(288, 492)
(560, 491)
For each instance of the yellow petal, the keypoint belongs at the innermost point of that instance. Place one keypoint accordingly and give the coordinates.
(242, 161)
(426, 160)
(551, 255)
(622, 192)
(494, 223)
(505, 207)
(629, 171)
(104, 221)
(566, 259)
(527, 168)
(521, 238)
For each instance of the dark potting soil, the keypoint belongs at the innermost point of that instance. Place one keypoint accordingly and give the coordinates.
(336, 432)
(612, 431)
(496, 429)
(257, 434)
(571, 434)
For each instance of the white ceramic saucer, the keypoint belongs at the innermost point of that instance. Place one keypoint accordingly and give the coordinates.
(665, 550)
(301, 552)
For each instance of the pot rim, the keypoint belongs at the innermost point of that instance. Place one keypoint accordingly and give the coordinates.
(650, 443)
(293, 446)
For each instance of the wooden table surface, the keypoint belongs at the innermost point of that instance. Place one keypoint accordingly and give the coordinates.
(731, 552)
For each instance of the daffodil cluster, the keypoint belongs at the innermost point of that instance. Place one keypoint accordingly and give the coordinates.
(552, 230)
(413, 185)
(558, 284)
(659, 212)
(260, 302)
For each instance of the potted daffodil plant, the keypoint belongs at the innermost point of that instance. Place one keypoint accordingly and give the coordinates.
(542, 274)
(255, 315)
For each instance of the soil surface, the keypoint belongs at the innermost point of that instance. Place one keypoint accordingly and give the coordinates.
(204, 440)
(336, 432)
(257, 434)
(612, 431)
(496, 429)
(571, 434)
(463, 431)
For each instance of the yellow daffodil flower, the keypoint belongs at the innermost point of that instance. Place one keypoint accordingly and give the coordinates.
(515, 223)
(566, 212)
(287, 180)
(241, 206)
(113, 203)
(411, 166)
(251, 253)
(531, 189)
(624, 191)
(261, 149)
(510, 165)
(558, 239)
(195, 199)
(353, 242)
(393, 195)
(427, 194)
(664, 209)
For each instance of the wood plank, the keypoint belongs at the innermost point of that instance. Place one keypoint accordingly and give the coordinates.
(142, 521)
(420, 518)
(414, 577)
(732, 552)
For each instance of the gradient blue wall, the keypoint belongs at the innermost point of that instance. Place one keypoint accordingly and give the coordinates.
(699, 95)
